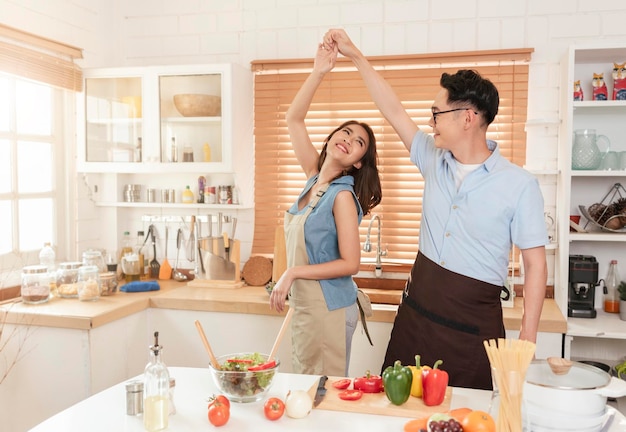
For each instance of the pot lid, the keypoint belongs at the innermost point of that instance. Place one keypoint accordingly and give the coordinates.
(580, 377)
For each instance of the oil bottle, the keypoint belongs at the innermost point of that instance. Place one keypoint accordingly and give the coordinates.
(611, 295)
(156, 389)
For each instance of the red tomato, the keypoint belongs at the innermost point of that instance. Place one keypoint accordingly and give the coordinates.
(342, 384)
(369, 383)
(218, 414)
(350, 395)
(219, 399)
(274, 408)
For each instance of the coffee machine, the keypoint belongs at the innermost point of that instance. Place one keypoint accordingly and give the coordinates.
(583, 279)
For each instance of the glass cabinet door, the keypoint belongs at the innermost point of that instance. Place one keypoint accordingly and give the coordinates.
(191, 118)
(113, 116)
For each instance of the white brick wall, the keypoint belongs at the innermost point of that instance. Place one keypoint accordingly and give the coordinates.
(145, 32)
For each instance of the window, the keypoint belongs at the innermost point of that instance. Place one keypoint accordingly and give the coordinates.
(36, 119)
(343, 96)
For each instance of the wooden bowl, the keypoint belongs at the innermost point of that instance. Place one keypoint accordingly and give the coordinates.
(198, 105)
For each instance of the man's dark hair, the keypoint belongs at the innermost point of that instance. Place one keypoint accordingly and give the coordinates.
(468, 86)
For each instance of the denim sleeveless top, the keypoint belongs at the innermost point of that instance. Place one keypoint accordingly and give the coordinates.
(320, 233)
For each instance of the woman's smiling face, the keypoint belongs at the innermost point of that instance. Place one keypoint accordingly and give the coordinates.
(351, 140)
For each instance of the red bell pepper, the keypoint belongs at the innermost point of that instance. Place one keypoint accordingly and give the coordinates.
(435, 384)
(369, 383)
(263, 366)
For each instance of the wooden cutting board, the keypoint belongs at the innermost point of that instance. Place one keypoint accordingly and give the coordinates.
(279, 263)
(377, 403)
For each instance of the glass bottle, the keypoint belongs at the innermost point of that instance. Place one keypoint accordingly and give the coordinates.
(188, 197)
(611, 295)
(156, 389)
(174, 151)
(47, 258)
(139, 252)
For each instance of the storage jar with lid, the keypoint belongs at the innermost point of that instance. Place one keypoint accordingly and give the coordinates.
(108, 282)
(89, 283)
(94, 258)
(35, 284)
(67, 277)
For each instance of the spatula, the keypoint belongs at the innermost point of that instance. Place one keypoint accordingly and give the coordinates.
(165, 272)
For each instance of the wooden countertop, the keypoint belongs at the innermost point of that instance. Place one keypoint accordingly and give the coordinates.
(76, 314)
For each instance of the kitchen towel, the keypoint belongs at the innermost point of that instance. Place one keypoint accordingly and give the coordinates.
(140, 286)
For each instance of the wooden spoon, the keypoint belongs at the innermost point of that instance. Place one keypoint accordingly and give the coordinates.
(214, 362)
(280, 335)
(559, 366)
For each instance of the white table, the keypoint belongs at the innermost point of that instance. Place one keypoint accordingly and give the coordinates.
(106, 411)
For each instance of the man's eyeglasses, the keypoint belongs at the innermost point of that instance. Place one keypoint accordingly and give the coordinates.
(435, 114)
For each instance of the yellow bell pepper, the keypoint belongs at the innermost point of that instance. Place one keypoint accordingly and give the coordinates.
(416, 385)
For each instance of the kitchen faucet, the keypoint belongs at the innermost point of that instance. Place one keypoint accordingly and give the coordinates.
(367, 247)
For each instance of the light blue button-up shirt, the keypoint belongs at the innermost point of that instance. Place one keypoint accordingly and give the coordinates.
(471, 231)
(322, 243)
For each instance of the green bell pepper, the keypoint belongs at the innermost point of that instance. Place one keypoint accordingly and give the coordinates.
(397, 380)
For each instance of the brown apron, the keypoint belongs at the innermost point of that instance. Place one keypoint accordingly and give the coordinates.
(318, 336)
(447, 316)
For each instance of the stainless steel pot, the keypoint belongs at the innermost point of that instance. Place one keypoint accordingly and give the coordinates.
(579, 396)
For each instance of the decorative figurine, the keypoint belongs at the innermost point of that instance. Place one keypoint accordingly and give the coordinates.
(600, 92)
(619, 81)
(578, 91)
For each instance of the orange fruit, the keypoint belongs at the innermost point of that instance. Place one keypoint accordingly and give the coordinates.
(459, 413)
(478, 421)
(416, 425)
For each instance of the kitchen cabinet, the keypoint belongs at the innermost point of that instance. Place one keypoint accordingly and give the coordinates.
(604, 335)
(131, 127)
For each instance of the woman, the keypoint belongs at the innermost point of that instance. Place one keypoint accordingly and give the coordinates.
(322, 233)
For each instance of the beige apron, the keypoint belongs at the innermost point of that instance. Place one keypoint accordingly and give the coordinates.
(317, 334)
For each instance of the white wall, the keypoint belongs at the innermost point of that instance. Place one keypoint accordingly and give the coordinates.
(142, 32)
(145, 32)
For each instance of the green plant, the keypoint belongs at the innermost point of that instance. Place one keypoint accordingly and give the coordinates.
(622, 290)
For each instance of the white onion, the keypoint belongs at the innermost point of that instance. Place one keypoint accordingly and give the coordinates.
(298, 404)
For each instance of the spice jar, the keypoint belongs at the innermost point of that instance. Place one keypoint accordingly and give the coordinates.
(35, 284)
(88, 283)
(67, 278)
(134, 397)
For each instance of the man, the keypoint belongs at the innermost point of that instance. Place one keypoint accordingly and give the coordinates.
(476, 205)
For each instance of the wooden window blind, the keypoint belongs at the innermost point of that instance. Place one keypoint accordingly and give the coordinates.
(40, 59)
(343, 96)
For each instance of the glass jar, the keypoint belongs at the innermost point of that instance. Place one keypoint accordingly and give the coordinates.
(35, 284)
(89, 283)
(95, 258)
(108, 281)
(67, 278)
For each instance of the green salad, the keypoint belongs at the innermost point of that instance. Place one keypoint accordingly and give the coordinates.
(242, 382)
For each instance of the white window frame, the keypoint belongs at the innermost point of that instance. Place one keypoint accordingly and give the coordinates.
(63, 148)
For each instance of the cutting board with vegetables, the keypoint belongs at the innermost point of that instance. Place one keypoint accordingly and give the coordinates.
(377, 403)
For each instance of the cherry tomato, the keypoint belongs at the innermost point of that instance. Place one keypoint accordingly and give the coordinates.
(350, 395)
(218, 414)
(274, 408)
(219, 399)
(342, 384)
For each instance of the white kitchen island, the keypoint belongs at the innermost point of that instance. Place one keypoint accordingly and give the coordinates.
(106, 411)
